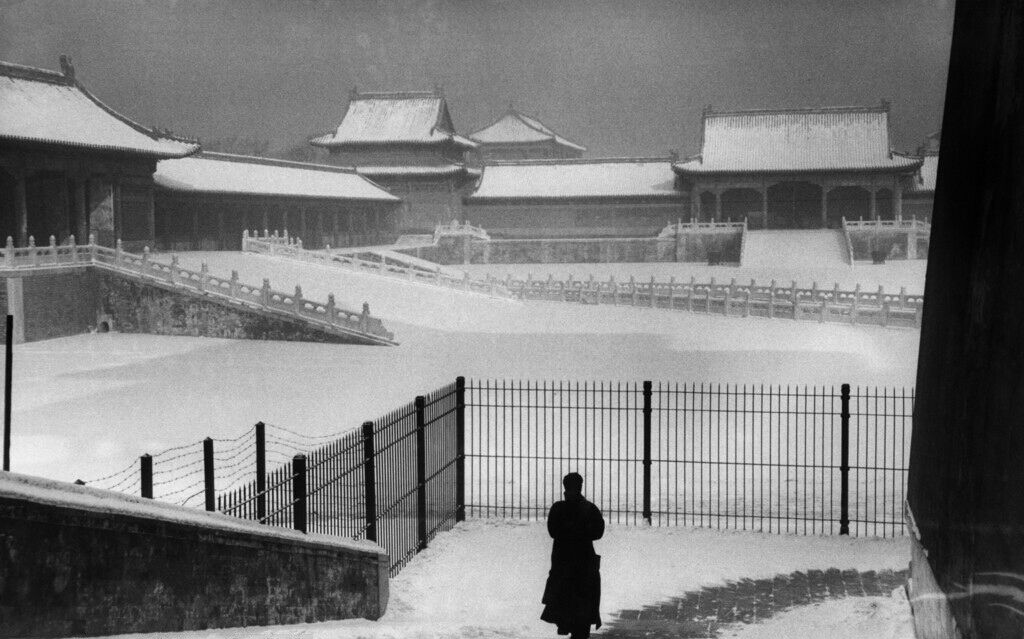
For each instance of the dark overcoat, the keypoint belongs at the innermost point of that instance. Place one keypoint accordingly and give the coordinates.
(572, 596)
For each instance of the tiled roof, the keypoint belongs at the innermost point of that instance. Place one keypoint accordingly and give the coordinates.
(924, 181)
(591, 178)
(515, 127)
(383, 118)
(47, 107)
(414, 170)
(224, 173)
(828, 139)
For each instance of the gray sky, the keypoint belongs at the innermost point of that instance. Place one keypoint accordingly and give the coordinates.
(622, 79)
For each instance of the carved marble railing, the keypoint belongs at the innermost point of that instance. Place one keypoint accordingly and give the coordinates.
(325, 315)
(771, 300)
(273, 244)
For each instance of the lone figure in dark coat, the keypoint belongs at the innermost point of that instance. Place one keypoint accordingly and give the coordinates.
(572, 596)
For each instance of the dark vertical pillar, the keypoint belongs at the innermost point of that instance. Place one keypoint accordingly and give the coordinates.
(8, 370)
(647, 410)
(844, 461)
(146, 475)
(299, 493)
(966, 476)
(370, 481)
(21, 207)
(208, 475)
(261, 471)
(421, 472)
(460, 448)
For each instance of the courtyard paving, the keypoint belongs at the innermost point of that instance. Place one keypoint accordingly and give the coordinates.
(704, 613)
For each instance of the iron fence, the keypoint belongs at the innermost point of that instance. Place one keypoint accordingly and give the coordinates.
(812, 460)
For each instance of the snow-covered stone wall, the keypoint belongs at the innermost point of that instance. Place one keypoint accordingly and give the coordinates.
(81, 561)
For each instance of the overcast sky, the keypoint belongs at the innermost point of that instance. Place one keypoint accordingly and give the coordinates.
(619, 78)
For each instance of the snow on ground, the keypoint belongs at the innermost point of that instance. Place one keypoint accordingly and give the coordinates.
(87, 405)
(850, 618)
(892, 275)
(485, 578)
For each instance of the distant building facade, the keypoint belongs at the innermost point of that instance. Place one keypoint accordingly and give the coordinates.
(205, 201)
(407, 143)
(71, 165)
(615, 197)
(797, 168)
(516, 136)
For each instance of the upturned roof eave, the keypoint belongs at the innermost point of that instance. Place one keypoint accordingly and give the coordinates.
(190, 149)
(235, 193)
(900, 168)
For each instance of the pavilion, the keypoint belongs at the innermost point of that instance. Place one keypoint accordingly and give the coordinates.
(601, 197)
(71, 165)
(797, 168)
(407, 143)
(516, 136)
(205, 201)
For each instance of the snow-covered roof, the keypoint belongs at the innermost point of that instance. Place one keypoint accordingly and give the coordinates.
(924, 181)
(47, 107)
(425, 170)
(518, 128)
(387, 118)
(224, 173)
(603, 178)
(824, 139)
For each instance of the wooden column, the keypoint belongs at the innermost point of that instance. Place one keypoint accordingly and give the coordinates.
(220, 227)
(81, 209)
(303, 213)
(897, 198)
(824, 204)
(718, 204)
(21, 207)
(334, 227)
(764, 205)
(695, 203)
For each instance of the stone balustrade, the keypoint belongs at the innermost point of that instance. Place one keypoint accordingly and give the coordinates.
(733, 299)
(326, 315)
(272, 244)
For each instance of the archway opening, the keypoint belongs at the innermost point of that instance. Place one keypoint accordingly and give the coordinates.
(884, 204)
(706, 213)
(794, 205)
(743, 203)
(851, 202)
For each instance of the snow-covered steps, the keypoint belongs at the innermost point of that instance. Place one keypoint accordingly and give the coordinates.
(794, 249)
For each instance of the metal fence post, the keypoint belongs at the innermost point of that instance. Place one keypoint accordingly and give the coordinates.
(261, 471)
(370, 481)
(208, 480)
(8, 361)
(647, 452)
(844, 463)
(146, 470)
(460, 448)
(421, 473)
(299, 492)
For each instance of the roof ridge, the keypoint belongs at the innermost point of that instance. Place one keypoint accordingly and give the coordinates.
(522, 118)
(557, 161)
(708, 113)
(38, 74)
(255, 159)
(147, 131)
(394, 95)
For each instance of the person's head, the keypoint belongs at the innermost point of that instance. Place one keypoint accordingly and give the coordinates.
(573, 483)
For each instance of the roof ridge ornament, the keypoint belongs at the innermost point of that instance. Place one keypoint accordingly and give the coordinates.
(67, 68)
